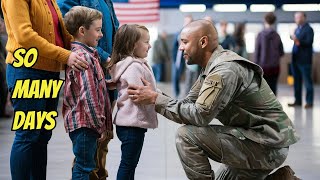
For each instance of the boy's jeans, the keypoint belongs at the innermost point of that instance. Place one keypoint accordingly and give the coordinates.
(84, 142)
(131, 145)
(28, 158)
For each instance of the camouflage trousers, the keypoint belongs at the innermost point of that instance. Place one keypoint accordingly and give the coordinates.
(242, 158)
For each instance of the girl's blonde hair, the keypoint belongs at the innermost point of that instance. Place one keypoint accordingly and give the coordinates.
(124, 42)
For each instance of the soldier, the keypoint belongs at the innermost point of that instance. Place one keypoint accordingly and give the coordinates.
(257, 133)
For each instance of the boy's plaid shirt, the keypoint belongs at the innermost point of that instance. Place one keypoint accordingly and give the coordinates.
(86, 102)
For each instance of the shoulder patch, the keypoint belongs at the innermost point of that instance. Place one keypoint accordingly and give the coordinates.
(210, 90)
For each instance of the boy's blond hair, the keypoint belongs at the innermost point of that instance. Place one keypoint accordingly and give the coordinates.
(79, 16)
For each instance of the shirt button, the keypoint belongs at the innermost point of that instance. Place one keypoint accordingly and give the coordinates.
(50, 33)
(48, 12)
(50, 23)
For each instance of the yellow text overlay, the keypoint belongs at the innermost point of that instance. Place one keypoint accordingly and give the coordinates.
(22, 57)
(37, 88)
(34, 120)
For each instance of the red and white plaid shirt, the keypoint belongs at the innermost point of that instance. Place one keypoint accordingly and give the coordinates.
(86, 101)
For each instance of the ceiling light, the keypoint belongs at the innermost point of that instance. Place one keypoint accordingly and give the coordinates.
(192, 8)
(230, 7)
(262, 8)
(301, 7)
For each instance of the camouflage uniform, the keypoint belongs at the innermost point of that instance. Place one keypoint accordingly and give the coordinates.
(256, 134)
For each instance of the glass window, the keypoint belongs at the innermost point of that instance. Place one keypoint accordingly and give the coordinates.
(252, 31)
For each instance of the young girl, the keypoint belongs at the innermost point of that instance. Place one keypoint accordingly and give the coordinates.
(128, 66)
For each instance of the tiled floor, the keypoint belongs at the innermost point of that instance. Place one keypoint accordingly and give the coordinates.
(159, 160)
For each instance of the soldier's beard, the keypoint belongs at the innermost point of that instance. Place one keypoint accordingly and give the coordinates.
(190, 61)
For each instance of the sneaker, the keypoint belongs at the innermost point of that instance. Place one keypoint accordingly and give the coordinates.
(283, 173)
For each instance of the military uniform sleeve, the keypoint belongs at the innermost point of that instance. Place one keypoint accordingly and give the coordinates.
(204, 101)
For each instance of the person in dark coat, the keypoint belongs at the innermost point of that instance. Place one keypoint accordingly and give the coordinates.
(268, 51)
(226, 40)
(301, 65)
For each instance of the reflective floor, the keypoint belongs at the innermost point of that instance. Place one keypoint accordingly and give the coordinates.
(159, 160)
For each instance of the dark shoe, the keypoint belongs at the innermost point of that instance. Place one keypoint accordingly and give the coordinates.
(284, 173)
(294, 104)
(308, 106)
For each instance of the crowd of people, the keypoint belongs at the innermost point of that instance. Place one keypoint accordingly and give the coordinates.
(105, 66)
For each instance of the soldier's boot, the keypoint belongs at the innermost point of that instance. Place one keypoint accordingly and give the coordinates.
(283, 173)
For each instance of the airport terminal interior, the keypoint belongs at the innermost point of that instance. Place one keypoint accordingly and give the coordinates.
(159, 158)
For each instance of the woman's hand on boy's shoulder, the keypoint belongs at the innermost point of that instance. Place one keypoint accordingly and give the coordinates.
(77, 62)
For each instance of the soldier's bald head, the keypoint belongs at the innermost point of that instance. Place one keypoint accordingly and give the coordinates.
(201, 28)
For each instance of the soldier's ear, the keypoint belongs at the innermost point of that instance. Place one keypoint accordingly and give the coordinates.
(203, 41)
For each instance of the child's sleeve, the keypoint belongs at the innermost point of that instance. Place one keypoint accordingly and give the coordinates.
(89, 91)
(133, 74)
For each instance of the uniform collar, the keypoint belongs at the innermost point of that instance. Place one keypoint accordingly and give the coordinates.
(213, 59)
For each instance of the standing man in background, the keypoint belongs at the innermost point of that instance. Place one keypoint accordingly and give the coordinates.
(301, 65)
(226, 40)
(178, 63)
(110, 25)
(160, 56)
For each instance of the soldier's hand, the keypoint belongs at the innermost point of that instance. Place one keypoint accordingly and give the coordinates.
(142, 94)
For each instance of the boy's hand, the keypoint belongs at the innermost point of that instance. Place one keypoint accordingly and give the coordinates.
(102, 137)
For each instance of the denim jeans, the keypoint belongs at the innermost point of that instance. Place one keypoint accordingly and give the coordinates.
(132, 139)
(302, 72)
(176, 77)
(84, 142)
(28, 159)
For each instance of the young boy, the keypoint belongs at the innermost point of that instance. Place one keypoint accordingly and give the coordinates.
(86, 104)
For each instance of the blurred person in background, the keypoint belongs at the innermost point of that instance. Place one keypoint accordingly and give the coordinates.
(240, 43)
(178, 63)
(268, 51)
(226, 40)
(301, 65)
(192, 71)
(160, 55)
(3, 82)
(208, 18)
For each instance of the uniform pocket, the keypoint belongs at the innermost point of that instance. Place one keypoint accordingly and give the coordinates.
(210, 90)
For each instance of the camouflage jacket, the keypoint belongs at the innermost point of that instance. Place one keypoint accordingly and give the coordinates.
(233, 90)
